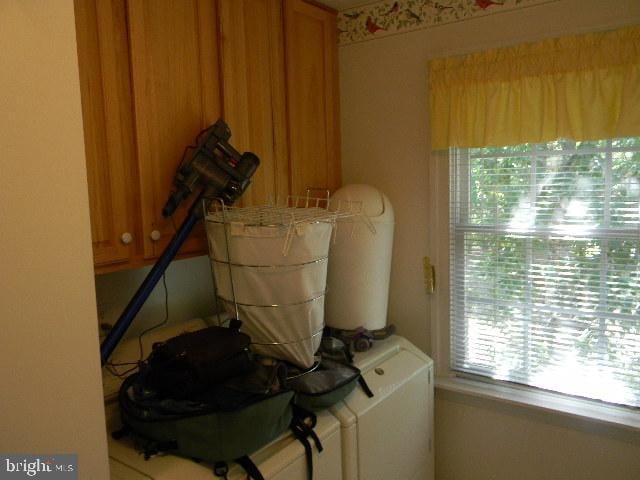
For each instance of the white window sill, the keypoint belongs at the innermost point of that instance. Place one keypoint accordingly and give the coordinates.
(544, 401)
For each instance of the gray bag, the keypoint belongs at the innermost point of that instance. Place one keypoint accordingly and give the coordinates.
(326, 385)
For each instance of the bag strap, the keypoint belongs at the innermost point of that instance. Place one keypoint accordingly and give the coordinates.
(308, 453)
(221, 469)
(365, 387)
(249, 467)
(302, 431)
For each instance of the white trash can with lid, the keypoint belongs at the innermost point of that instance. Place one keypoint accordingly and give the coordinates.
(360, 263)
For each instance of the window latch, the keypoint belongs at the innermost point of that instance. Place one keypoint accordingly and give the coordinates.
(429, 275)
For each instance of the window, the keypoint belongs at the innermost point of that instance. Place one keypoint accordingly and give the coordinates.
(545, 266)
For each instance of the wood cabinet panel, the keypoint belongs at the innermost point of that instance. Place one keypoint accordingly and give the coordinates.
(252, 62)
(154, 73)
(108, 126)
(174, 66)
(312, 96)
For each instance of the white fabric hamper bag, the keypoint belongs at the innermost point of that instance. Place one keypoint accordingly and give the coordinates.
(276, 275)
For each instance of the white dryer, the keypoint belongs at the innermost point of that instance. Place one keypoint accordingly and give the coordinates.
(389, 436)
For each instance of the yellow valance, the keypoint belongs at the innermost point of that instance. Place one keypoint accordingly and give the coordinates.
(584, 87)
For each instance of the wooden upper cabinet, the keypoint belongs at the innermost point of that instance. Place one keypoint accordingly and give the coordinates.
(312, 96)
(108, 128)
(253, 82)
(176, 92)
(154, 73)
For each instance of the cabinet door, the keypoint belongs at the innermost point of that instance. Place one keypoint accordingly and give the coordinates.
(174, 66)
(252, 59)
(312, 101)
(103, 60)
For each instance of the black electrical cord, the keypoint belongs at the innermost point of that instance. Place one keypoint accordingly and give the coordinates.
(110, 366)
(192, 147)
(163, 322)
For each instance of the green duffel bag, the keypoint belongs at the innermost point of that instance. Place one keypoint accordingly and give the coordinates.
(227, 423)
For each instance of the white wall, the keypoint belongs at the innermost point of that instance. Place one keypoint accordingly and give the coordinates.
(383, 90)
(51, 400)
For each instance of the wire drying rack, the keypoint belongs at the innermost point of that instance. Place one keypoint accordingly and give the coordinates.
(299, 217)
(296, 212)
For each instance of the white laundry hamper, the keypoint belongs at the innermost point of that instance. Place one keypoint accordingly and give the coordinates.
(359, 269)
(270, 269)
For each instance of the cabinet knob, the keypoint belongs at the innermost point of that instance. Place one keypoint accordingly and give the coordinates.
(126, 238)
(155, 235)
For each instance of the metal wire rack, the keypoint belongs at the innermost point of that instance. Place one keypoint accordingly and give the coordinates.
(242, 276)
(293, 214)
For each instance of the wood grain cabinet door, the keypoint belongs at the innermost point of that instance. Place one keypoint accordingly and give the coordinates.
(103, 60)
(312, 96)
(176, 91)
(154, 73)
(253, 82)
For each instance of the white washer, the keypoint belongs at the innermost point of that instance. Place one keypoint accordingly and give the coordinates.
(389, 436)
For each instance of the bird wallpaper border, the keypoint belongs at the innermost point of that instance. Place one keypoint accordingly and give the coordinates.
(396, 16)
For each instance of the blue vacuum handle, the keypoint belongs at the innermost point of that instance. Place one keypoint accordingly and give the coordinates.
(149, 283)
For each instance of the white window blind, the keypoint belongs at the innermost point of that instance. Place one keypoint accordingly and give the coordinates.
(545, 266)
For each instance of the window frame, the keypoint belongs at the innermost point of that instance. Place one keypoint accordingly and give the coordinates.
(439, 197)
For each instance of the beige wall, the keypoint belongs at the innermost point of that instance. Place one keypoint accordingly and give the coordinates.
(477, 440)
(49, 363)
(189, 286)
(384, 119)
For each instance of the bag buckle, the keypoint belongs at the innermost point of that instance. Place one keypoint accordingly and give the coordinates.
(221, 469)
